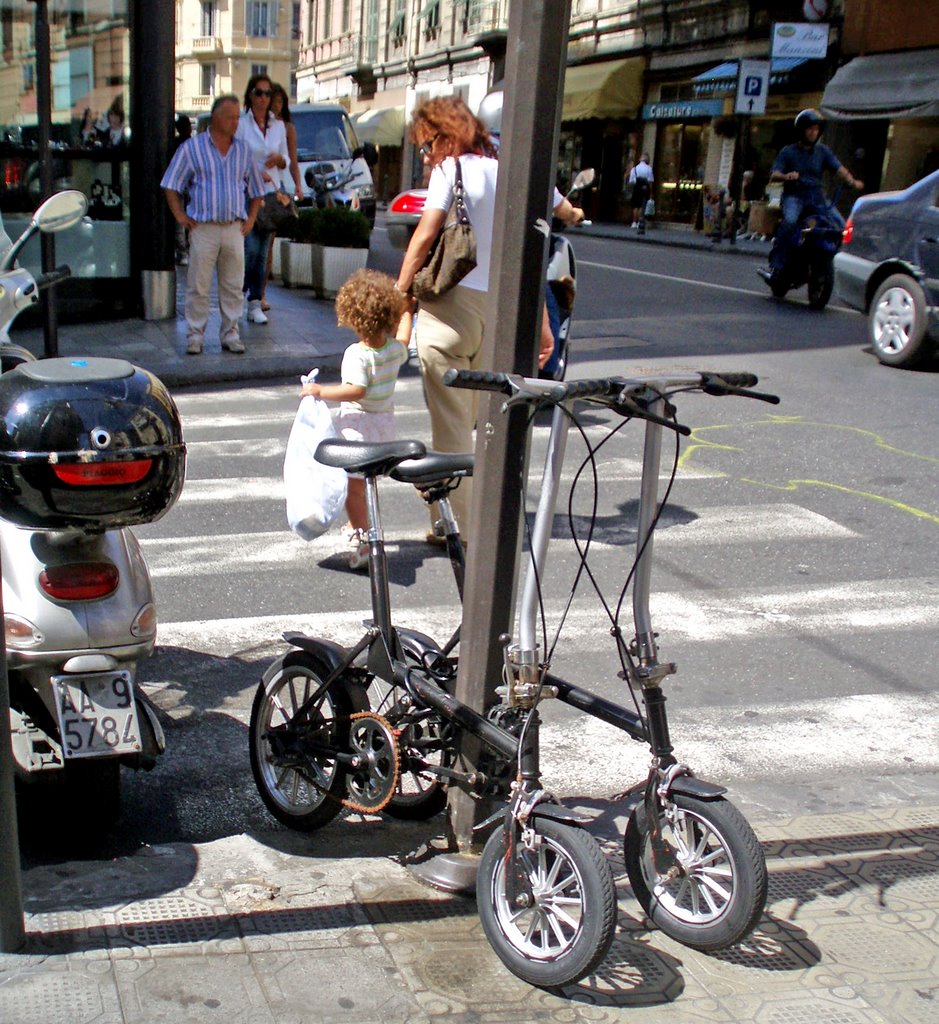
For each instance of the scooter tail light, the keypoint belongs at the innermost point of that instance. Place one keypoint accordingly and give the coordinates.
(145, 621)
(20, 633)
(98, 474)
(848, 232)
(80, 581)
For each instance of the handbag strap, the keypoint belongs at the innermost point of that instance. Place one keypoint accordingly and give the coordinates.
(462, 214)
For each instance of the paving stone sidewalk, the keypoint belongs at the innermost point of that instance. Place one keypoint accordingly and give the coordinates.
(286, 929)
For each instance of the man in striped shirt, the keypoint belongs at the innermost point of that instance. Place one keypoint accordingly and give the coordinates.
(217, 171)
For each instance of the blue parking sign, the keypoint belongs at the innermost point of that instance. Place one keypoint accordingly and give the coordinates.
(752, 87)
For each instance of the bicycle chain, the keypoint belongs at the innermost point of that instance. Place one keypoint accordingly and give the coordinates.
(396, 754)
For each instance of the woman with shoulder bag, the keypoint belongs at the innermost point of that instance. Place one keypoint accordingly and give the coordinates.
(267, 139)
(450, 326)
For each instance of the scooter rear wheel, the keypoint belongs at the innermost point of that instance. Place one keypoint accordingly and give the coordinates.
(702, 879)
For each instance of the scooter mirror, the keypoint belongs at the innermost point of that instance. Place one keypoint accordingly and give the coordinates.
(584, 179)
(61, 211)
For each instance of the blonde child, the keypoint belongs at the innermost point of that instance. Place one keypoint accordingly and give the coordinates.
(370, 304)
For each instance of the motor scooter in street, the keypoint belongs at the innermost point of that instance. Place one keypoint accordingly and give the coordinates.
(811, 260)
(88, 447)
(328, 185)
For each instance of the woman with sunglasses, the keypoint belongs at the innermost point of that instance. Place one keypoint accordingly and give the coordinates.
(267, 139)
(450, 328)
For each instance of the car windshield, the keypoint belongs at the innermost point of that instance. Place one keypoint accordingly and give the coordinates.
(324, 135)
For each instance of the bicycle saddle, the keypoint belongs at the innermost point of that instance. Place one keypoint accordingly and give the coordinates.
(434, 467)
(369, 459)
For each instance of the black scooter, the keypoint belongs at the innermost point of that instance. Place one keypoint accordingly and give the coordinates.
(811, 259)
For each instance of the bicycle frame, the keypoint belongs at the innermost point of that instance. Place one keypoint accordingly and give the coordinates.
(643, 665)
(386, 660)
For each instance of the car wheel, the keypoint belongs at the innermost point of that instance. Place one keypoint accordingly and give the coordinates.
(897, 321)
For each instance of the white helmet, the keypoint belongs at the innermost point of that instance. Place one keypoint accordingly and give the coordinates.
(490, 111)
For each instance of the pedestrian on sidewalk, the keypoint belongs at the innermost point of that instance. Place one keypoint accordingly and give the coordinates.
(266, 137)
(450, 327)
(370, 304)
(640, 177)
(217, 172)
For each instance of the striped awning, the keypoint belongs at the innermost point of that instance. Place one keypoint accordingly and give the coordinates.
(612, 88)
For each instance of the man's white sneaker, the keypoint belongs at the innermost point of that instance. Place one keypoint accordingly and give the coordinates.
(256, 315)
(234, 345)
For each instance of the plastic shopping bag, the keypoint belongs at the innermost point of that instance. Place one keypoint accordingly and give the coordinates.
(316, 494)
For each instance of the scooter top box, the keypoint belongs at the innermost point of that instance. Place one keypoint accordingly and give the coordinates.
(93, 443)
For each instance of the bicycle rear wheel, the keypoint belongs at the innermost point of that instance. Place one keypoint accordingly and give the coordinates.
(701, 878)
(299, 782)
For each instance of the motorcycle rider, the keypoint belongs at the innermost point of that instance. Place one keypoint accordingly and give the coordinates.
(799, 166)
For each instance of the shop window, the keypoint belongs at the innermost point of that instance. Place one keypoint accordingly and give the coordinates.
(89, 92)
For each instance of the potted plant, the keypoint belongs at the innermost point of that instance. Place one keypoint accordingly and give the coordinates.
(339, 238)
(296, 264)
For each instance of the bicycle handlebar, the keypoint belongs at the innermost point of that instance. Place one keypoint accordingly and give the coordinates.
(53, 276)
(630, 395)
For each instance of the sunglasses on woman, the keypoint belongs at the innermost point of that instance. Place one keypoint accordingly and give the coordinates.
(427, 148)
(261, 92)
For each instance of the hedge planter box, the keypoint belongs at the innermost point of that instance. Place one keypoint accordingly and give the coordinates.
(296, 264)
(333, 266)
(276, 260)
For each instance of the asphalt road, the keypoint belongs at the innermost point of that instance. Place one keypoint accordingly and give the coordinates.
(795, 582)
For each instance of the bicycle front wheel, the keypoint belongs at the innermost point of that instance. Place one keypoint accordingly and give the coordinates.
(702, 878)
(568, 930)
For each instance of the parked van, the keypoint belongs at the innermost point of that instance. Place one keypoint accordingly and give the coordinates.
(327, 147)
(329, 151)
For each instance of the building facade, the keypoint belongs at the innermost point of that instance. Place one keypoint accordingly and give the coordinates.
(642, 75)
(220, 44)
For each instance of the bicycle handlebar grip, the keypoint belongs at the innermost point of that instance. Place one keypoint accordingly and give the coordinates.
(478, 380)
(594, 388)
(54, 276)
(737, 380)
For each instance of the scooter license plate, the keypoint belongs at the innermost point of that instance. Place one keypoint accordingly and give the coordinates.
(97, 714)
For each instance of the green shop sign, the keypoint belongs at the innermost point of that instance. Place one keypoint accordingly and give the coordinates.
(682, 110)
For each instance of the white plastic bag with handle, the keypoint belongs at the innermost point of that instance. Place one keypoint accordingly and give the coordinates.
(316, 494)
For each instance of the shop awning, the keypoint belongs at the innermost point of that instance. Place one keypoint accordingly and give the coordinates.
(383, 126)
(723, 77)
(887, 85)
(610, 89)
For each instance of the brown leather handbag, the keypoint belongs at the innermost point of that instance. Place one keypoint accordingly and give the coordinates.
(453, 254)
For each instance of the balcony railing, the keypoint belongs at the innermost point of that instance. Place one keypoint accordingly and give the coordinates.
(206, 44)
(483, 16)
